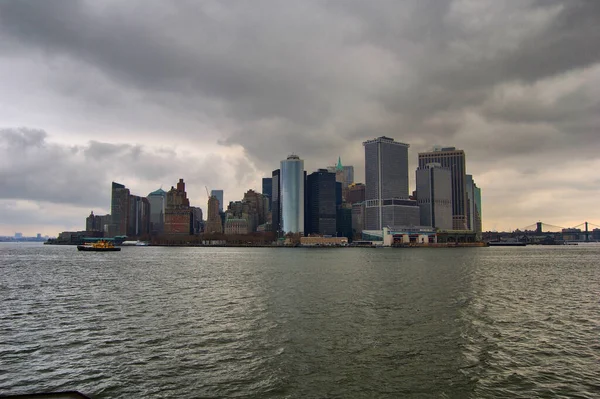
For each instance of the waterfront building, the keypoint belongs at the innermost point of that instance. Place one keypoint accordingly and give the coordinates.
(235, 226)
(321, 203)
(473, 206)
(158, 203)
(97, 222)
(292, 195)
(358, 219)
(119, 207)
(450, 157)
(344, 221)
(214, 222)
(178, 213)
(219, 195)
(386, 178)
(434, 196)
(267, 189)
(356, 193)
(276, 202)
(138, 216)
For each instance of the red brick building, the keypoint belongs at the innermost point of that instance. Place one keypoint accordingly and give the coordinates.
(178, 213)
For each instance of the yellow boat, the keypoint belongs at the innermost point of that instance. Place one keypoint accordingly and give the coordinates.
(98, 246)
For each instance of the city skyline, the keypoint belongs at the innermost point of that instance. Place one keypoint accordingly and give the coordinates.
(145, 99)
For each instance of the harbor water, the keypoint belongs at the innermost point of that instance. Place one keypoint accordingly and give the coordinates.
(158, 322)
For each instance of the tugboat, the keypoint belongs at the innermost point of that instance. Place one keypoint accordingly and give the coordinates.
(99, 246)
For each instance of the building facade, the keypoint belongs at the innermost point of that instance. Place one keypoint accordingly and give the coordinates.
(138, 216)
(236, 227)
(219, 195)
(321, 207)
(473, 206)
(178, 213)
(267, 189)
(450, 157)
(158, 203)
(276, 202)
(356, 193)
(386, 179)
(434, 196)
(214, 223)
(97, 222)
(292, 195)
(119, 207)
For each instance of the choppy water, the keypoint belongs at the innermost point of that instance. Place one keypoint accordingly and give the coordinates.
(152, 322)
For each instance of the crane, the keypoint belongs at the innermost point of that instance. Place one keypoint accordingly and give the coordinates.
(207, 193)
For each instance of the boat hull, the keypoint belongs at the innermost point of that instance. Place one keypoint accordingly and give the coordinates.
(92, 249)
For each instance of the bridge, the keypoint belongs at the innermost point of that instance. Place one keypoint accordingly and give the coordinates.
(540, 228)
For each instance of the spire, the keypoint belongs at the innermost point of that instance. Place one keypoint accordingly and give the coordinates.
(339, 164)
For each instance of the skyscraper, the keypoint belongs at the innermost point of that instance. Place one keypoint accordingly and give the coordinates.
(158, 202)
(292, 195)
(450, 157)
(349, 174)
(434, 196)
(473, 206)
(219, 195)
(386, 179)
(214, 223)
(138, 216)
(267, 188)
(119, 207)
(276, 202)
(321, 208)
(179, 218)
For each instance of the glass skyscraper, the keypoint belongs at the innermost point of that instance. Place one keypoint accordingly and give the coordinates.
(321, 195)
(292, 195)
(386, 180)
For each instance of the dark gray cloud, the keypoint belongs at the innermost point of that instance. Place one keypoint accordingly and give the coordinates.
(247, 83)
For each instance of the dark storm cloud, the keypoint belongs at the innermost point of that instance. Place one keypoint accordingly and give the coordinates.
(512, 83)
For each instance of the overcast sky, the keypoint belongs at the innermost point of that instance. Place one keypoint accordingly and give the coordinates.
(217, 93)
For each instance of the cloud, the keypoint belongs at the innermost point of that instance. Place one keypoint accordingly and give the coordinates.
(153, 87)
(36, 169)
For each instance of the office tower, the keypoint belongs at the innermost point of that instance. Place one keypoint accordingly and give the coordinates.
(178, 213)
(348, 174)
(356, 193)
(473, 206)
(214, 223)
(434, 196)
(219, 195)
(119, 207)
(450, 157)
(158, 202)
(138, 216)
(358, 219)
(344, 221)
(386, 178)
(292, 195)
(276, 202)
(197, 219)
(267, 189)
(321, 203)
